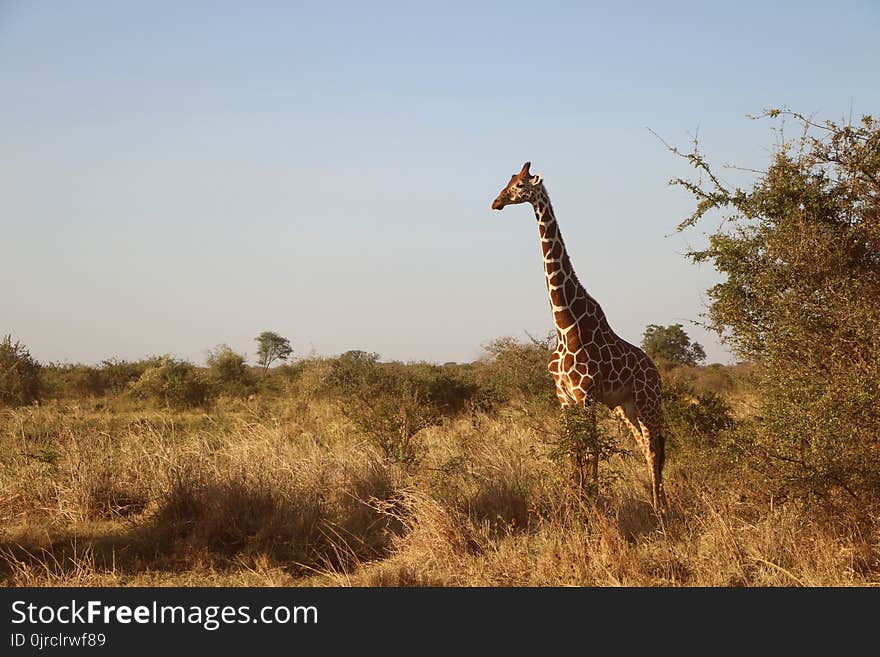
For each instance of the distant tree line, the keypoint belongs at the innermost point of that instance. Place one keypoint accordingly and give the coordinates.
(170, 381)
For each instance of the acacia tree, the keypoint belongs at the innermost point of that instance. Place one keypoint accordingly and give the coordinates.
(272, 347)
(671, 345)
(800, 253)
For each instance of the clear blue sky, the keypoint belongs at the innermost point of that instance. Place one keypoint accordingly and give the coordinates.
(177, 175)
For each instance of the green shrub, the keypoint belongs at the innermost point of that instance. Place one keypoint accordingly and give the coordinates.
(52, 381)
(513, 370)
(173, 383)
(391, 402)
(228, 373)
(85, 381)
(19, 374)
(283, 375)
(586, 443)
(694, 419)
(119, 374)
(63, 380)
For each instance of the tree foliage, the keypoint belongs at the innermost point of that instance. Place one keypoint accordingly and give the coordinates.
(800, 252)
(19, 374)
(272, 347)
(671, 345)
(391, 402)
(119, 374)
(693, 418)
(513, 369)
(174, 383)
(228, 372)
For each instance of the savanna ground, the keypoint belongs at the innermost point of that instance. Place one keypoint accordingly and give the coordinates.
(349, 471)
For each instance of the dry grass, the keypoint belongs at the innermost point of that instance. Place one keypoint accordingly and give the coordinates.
(287, 494)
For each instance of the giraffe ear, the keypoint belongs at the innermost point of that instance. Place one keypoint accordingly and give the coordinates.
(536, 179)
(524, 172)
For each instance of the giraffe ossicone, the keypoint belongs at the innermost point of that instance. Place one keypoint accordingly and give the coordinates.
(590, 361)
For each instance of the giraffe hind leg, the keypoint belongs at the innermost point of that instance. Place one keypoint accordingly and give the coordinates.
(655, 455)
(650, 440)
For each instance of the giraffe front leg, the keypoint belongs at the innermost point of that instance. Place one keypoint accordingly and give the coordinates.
(562, 394)
(627, 413)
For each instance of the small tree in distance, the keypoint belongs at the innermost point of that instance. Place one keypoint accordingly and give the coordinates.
(272, 347)
(670, 345)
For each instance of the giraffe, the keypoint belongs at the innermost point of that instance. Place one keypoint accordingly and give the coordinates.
(590, 360)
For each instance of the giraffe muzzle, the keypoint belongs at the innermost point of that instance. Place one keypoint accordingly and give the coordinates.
(497, 204)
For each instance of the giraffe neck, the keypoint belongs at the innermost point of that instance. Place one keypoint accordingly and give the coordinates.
(569, 301)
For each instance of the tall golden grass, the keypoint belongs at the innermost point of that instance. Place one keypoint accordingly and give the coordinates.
(286, 493)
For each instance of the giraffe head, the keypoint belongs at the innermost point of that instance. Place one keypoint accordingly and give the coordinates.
(522, 188)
